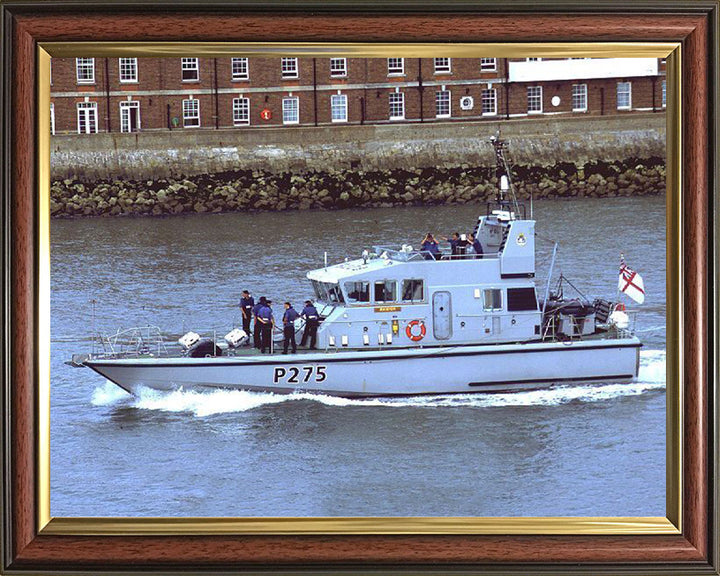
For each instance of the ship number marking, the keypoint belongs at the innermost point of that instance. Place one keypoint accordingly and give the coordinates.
(295, 375)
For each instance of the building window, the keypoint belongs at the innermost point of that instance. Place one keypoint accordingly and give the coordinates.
(488, 99)
(412, 290)
(128, 69)
(442, 65)
(191, 113)
(488, 64)
(129, 116)
(579, 97)
(190, 70)
(241, 111)
(52, 119)
(87, 117)
(533, 59)
(289, 67)
(492, 300)
(338, 108)
(240, 69)
(396, 66)
(338, 67)
(397, 106)
(291, 111)
(624, 96)
(85, 68)
(534, 97)
(664, 94)
(442, 104)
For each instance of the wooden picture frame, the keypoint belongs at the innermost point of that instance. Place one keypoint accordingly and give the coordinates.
(686, 543)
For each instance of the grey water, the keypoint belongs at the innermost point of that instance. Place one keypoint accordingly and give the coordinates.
(571, 450)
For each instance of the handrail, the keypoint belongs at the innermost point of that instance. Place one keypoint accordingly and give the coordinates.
(395, 253)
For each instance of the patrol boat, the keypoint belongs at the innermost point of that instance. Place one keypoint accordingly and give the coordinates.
(403, 321)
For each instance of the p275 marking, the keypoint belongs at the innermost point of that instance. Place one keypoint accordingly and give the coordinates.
(299, 375)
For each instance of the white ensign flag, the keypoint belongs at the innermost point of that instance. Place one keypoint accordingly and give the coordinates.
(630, 282)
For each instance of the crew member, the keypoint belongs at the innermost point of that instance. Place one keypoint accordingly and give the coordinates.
(476, 245)
(462, 244)
(247, 302)
(288, 319)
(453, 241)
(266, 322)
(430, 247)
(312, 321)
(256, 326)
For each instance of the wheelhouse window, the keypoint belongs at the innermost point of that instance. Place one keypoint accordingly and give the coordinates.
(385, 291)
(240, 69)
(492, 299)
(338, 67)
(85, 69)
(519, 299)
(412, 291)
(190, 69)
(357, 291)
(327, 292)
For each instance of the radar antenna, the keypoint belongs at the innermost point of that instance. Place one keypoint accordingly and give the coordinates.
(504, 175)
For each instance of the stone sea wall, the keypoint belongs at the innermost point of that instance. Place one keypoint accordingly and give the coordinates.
(350, 166)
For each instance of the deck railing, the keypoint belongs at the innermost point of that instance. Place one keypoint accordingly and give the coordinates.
(407, 253)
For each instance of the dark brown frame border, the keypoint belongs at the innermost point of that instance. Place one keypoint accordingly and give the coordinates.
(693, 23)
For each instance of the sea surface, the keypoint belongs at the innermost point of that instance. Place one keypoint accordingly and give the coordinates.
(595, 450)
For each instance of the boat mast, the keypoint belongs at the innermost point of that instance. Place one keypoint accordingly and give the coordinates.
(503, 174)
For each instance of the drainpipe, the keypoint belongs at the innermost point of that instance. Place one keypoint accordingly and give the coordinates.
(315, 95)
(169, 124)
(108, 126)
(602, 101)
(362, 110)
(421, 89)
(507, 89)
(654, 85)
(215, 89)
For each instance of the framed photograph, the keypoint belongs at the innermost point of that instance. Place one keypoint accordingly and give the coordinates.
(176, 480)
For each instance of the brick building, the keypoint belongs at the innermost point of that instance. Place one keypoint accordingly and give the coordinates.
(91, 95)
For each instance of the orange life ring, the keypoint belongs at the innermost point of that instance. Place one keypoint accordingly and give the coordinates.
(620, 307)
(409, 330)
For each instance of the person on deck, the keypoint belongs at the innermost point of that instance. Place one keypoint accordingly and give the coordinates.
(453, 241)
(267, 322)
(256, 325)
(430, 247)
(312, 321)
(247, 302)
(476, 245)
(289, 318)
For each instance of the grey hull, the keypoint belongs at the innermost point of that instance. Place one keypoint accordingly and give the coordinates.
(440, 370)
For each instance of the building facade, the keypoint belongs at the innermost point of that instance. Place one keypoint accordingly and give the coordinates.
(90, 95)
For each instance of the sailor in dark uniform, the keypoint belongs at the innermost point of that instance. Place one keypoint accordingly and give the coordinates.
(289, 318)
(266, 321)
(312, 321)
(247, 302)
(256, 326)
(453, 241)
(476, 245)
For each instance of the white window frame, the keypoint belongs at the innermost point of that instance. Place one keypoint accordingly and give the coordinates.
(488, 64)
(532, 97)
(128, 70)
(338, 103)
(290, 104)
(189, 65)
(289, 68)
(396, 101)
(241, 111)
(664, 94)
(533, 59)
(489, 304)
(488, 96)
(89, 112)
(443, 98)
(396, 66)
(623, 92)
(579, 91)
(85, 70)
(52, 119)
(442, 65)
(240, 69)
(338, 67)
(125, 122)
(187, 109)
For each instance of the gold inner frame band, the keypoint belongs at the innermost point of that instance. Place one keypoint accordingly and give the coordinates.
(371, 525)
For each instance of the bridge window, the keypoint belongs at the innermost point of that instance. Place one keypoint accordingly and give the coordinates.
(357, 291)
(385, 290)
(519, 299)
(492, 299)
(327, 292)
(412, 290)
